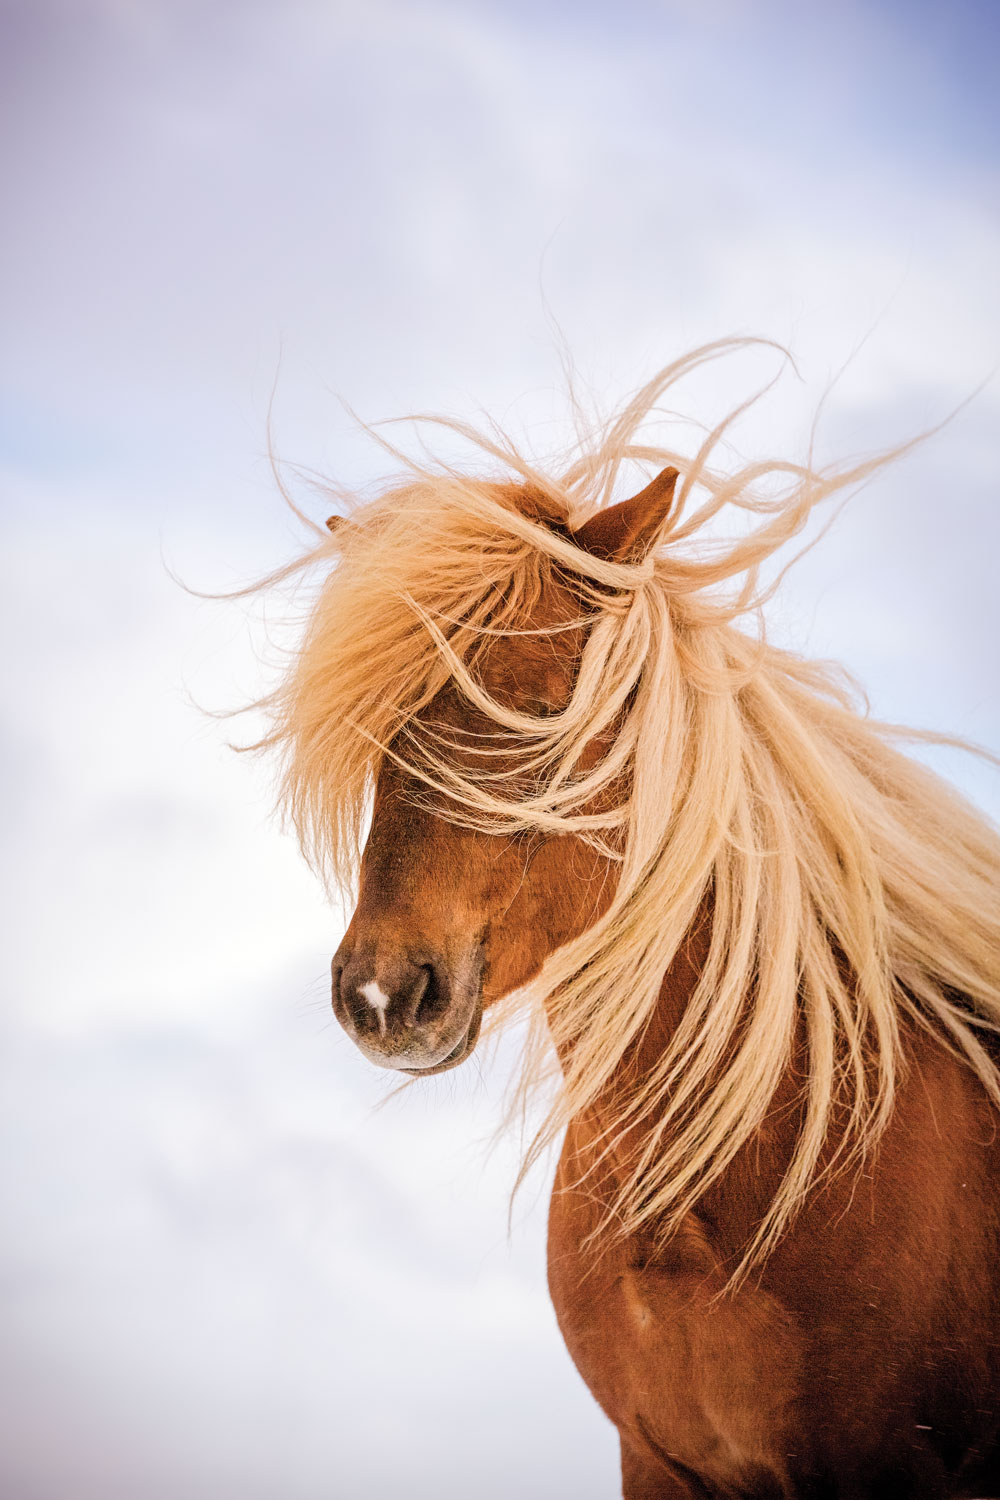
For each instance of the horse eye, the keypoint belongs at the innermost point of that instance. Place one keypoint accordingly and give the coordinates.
(540, 708)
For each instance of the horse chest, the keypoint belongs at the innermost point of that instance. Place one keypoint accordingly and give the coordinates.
(706, 1386)
(864, 1363)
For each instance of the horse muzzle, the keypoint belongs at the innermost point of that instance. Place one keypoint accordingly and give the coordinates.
(413, 1012)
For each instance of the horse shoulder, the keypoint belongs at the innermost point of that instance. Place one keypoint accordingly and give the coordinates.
(870, 1335)
(698, 1384)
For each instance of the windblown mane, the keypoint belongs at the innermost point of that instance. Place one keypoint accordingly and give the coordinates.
(852, 890)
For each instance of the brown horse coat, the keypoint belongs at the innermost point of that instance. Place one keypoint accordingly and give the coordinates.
(859, 1359)
(863, 1360)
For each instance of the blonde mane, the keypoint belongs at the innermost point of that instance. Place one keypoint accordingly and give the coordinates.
(853, 893)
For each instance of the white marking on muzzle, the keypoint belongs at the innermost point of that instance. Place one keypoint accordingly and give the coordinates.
(378, 1000)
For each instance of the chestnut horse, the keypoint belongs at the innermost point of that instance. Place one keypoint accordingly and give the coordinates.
(761, 939)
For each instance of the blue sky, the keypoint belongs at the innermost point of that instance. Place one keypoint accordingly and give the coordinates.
(224, 1271)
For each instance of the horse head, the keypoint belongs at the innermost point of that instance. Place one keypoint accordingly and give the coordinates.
(449, 917)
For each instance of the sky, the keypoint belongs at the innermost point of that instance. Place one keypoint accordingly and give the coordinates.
(230, 1267)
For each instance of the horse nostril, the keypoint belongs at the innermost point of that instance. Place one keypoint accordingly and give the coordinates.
(429, 996)
(415, 993)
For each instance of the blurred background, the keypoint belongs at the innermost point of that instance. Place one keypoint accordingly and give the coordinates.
(226, 1273)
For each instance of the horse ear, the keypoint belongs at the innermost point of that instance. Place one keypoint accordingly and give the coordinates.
(334, 523)
(625, 532)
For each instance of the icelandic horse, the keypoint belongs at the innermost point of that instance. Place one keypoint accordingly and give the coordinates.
(760, 942)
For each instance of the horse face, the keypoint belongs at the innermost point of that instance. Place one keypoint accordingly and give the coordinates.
(450, 919)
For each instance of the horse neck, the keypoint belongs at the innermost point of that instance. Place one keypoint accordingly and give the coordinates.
(738, 1199)
(676, 989)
